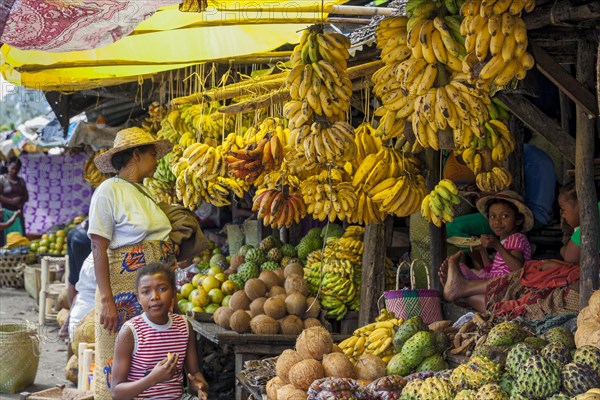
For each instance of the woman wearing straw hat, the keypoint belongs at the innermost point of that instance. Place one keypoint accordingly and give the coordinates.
(127, 230)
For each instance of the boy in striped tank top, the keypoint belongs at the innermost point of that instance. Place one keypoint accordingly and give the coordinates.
(154, 348)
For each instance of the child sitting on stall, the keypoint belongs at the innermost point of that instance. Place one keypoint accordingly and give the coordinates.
(153, 348)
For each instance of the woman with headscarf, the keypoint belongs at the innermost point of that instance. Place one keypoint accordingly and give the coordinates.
(127, 230)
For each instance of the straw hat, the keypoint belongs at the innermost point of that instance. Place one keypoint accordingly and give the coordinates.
(15, 239)
(511, 197)
(126, 139)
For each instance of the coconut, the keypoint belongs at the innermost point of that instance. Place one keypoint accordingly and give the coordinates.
(310, 322)
(285, 361)
(370, 367)
(275, 308)
(291, 325)
(295, 303)
(222, 317)
(240, 321)
(297, 394)
(235, 262)
(293, 268)
(296, 283)
(269, 278)
(304, 373)
(272, 386)
(338, 365)
(284, 391)
(280, 275)
(275, 290)
(264, 325)
(313, 308)
(314, 342)
(255, 288)
(336, 349)
(256, 307)
(239, 301)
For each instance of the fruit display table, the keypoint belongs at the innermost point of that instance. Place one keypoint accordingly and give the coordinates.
(246, 346)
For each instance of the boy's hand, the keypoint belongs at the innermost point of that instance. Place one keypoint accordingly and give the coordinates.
(489, 241)
(198, 384)
(165, 369)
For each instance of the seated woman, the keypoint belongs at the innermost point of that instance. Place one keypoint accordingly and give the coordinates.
(542, 287)
(508, 217)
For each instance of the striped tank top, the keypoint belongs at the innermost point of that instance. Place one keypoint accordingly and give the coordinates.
(152, 342)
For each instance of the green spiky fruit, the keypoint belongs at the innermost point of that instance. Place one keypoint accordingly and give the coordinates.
(535, 342)
(436, 388)
(267, 244)
(248, 270)
(284, 261)
(244, 249)
(517, 356)
(588, 355)
(235, 278)
(275, 255)
(433, 363)
(537, 378)
(411, 390)
(505, 333)
(255, 256)
(557, 353)
(476, 373)
(332, 230)
(494, 353)
(314, 232)
(560, 334)
(467, 394)
(406, 330)
(418, 347)
(491, 391)
(307, 245)
(289, 250)
(559, 396)
(507, 383)
(579, 378)
(399, 366)
(270, 266)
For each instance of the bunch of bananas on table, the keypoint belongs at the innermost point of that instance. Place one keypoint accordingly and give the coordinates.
(279, 208)
(91, 173)
(496, 40)
(439, 205)
(156, 113)
(329, 195)
(374, 338)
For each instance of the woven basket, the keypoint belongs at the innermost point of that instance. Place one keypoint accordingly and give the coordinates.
(19, 356)
(12, 270)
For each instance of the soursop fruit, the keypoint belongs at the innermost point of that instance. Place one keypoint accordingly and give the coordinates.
(307, 245)
(559, 396)
(284, 261)
(288, 250)
(399, 366)
(433, 363)
(535, 342)
(560, 334)
(411, 390)
(517, 356)
(494, 353)
(255, 256)
(269, 266)
(588, 355)
(244, 249)
(579, 378)
(275, 255)
(477, 372)
(267, 244)
(436, 388)
(406, 330)
(537, 378)
(507, 383)
(557, 353)
(314, 232)
(506, 333)
(491, 391)
(467, 394)
(248, 270)
(235, 278)
(332, 230)
(418, 347)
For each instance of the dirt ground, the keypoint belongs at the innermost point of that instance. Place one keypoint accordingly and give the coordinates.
(17, 306)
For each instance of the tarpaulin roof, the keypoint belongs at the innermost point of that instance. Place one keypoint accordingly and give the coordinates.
(168, 40)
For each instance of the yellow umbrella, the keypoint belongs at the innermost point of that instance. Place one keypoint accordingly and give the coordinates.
(168, 40)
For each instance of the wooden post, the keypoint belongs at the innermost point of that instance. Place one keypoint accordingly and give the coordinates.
(565, 117)
(437, 247)
(589, 260)
(516, 159)
(373, 272)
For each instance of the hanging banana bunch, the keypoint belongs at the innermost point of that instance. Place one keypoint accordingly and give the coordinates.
(91, 173)
(439, 205)
(329, 195)
(156, 113)
(279, 208)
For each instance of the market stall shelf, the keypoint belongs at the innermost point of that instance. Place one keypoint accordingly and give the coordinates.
(247, 346)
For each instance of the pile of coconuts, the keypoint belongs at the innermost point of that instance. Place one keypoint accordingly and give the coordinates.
(276, 302)
(316, 357)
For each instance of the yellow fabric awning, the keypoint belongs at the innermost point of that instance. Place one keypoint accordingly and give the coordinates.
(168, 40)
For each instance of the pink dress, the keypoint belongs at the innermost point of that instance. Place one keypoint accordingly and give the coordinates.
(498, 267)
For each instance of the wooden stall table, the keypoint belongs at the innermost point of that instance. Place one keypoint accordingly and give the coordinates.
(247, 346)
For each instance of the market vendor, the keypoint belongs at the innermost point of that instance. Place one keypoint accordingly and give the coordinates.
(13, 190)
(128, 230)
